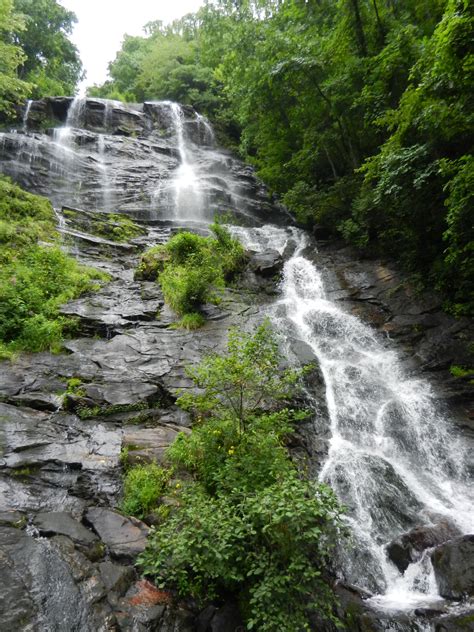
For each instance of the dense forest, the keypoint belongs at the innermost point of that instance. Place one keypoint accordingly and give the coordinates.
(358, 113)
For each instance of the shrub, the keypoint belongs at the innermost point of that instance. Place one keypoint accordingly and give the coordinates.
(186, 288)
(246, 522)
(143, 487)
(191, 321)
(152, 262)
(190, 268)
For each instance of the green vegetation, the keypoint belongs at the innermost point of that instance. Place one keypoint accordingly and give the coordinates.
(51, 64)
(118, 227)
(86, 412)
(35, 279)
(190, 268)
(75, 387)
(37, 57)
(112, 226)
(142, 488)
(242, 518)
(12, 89)
(358, 113)
(460, 371)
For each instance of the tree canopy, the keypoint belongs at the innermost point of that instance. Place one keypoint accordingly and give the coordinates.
(37, 57)
(52, 62)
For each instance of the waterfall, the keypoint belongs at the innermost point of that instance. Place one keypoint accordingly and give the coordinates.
(392, 458)
(205, 130)
(105, 189)
(74, 118)
(26, 115)
(184, 195)
(189, 200)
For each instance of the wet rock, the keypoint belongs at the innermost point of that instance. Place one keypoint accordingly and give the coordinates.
(143, 608)
(62, 523)
(118, 305)
(408, 548)
(149, 444)
(453, 564)
(455, 623)
(53, 451)
(124, 537)
(47, 584)
(116, 578)
(12, 518)
(267, 263)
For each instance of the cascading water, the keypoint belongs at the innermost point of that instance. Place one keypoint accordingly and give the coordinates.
(188, 198)
(75, 113)
(26, 114)
(392, 458)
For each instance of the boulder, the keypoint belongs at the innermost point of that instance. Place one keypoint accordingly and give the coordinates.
(116, 578)
(267, 263)
(453, 564)
(62, 523)
(48, 584)
(455, 623)
(124, 537)
(408, 547)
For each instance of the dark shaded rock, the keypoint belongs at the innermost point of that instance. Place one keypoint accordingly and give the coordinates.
(143, 607)
(429, 612)
(47, 584)
(203, 621)
(227, 619)
(455, 623)
(116, 578)
(124, 537)
(408, 548)
(453, 563)
(268, 263)
(322, 232)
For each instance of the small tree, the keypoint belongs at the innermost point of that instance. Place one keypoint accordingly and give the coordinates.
(246, 523)
(246, 380)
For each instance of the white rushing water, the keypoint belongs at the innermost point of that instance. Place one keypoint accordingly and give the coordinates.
(74, 118)
(184, 193)
(393, 458)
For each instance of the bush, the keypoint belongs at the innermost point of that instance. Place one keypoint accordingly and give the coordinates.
(190, 268)
(186, 288)
(143, 487)
(246, 522)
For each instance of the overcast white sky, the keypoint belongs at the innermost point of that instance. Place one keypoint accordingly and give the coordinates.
(102, 24)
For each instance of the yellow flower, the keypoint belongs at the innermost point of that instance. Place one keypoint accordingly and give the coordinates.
(231, 450)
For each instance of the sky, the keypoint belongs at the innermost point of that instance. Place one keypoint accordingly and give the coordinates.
(102, 24)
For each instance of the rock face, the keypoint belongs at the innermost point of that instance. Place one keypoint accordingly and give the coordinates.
(409, 547)
(453, 563)
(114, 155)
